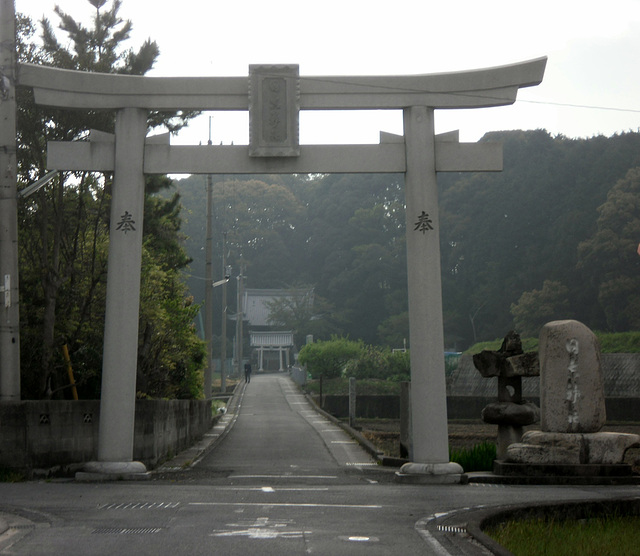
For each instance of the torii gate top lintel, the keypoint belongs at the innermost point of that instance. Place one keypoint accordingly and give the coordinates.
(494, 86)
(274, 95)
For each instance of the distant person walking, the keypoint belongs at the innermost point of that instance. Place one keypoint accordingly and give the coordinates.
(247, 372)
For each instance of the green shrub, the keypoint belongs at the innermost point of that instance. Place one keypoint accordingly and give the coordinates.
(328, 358)
(399, 366)
(379, 363)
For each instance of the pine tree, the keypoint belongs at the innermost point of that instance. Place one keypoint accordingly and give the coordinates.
(64, 228)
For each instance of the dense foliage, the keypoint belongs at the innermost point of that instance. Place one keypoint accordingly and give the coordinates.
(329, 358)
(64, 231)
(555, 235)
(379, 362)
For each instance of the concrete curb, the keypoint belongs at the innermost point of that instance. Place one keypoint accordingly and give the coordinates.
(385, 461)
(368, 446)
(192, 455)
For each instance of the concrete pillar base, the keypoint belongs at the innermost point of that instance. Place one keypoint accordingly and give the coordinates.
(113, 471)
(430, 473)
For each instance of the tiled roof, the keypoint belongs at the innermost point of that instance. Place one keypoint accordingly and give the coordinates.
(271, 339)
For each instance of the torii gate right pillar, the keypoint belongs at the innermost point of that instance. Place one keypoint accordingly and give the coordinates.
(428, 388)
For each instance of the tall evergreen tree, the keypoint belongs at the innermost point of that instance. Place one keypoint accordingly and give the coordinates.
(64, 228)
(612, 255)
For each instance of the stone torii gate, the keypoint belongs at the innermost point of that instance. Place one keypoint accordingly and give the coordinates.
(274, 95)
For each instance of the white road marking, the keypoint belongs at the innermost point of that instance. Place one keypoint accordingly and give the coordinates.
(284, 477)
(289, 505)
(261, 528)
(276, 489)
(354, 538)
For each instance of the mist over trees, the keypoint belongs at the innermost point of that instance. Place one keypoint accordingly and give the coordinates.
(554, 235)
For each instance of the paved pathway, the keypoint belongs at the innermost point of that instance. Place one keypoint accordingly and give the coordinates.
(278, 436)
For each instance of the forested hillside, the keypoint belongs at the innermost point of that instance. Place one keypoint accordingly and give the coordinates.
(555, 235)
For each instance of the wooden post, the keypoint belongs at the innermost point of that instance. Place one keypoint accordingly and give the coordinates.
(352, 402)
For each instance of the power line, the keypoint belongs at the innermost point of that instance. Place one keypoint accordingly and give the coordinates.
(396, 89)
(587, 106)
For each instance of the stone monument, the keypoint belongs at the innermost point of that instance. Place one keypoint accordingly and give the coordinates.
(511, 412)
(573, 412)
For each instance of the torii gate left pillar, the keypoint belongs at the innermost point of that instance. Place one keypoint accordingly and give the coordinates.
(120, 357)
(280, 93)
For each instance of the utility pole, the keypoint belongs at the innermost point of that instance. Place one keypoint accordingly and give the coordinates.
(208, 285)
(223, 333)
(9, 311)
(239, 317)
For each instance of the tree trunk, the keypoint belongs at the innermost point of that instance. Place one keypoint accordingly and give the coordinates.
(51, 284)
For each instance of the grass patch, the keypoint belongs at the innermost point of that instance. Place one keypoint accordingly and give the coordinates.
(11, 476)
(477, 458)
(610, 342)
(597, 536)
(619, 342)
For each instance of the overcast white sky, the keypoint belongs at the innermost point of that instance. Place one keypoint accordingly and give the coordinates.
(591, 85)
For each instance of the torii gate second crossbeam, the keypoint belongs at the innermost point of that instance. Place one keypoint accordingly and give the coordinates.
(274, 95)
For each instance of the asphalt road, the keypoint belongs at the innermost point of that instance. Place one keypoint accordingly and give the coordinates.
(281, 479)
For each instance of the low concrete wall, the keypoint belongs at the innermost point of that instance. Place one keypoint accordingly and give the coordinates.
(367, 407)
(388, 407)
(458, 407)
(46, 434)
(166, 427)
